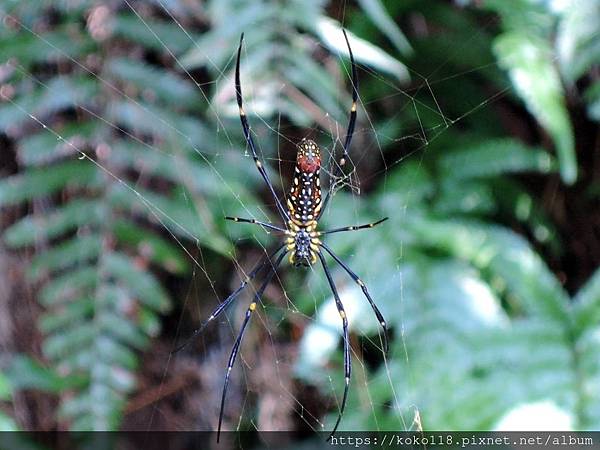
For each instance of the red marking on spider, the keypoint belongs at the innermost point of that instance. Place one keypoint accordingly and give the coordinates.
(309, 164)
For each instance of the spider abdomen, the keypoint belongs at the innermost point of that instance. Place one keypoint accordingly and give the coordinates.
(304, 204)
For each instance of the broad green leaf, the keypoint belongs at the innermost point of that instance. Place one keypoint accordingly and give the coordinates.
(530, 64)
(505, 255)
(409, 184)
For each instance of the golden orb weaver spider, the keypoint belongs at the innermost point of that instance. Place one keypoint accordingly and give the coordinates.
(302, 243)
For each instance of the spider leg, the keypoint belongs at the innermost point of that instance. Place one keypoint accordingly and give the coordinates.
(250, 140)
(352, 121)
(223, 305)
(363, 286)
(354, 227)
(238, 341)
(347, 360)
(256, 222)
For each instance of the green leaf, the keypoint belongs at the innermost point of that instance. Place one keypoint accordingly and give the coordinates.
(578, 38)
(530, 16)
(110, 350)
(363, 51)
(26, 373)
(592, 97)
(64, 92)
(152, 81)
(36, 228)
(152, 246)
(69, 341)
(53, 46)
(213, 49)
(177, 214)
(122, 328)
(69, 253)
(34, 103)
(40, 182)
(586, 305)
(465, 197)
(156, 35)
(139, 283)
(44, 148)
(505, 255)
(530, 63)
(143, 118)
(79, 311)
(309, 76)
(410, 183)
(69, 284)
(494, 157)
(516, 201)
(380, 17)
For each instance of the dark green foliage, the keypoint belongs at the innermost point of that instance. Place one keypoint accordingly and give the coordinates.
(128, 153)
(482, 326)
(96, 237)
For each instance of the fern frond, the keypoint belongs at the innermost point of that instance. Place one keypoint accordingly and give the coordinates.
(529, 62)
(38, 182)
(495, 157)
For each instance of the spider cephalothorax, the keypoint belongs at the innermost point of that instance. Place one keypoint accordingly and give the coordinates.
(302, 243)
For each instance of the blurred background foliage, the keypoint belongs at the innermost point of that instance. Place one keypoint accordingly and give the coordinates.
(122, 151)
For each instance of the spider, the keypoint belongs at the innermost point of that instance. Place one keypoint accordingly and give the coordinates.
(302, 240)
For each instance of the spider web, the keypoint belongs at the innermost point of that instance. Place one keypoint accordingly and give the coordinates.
(265, 354)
